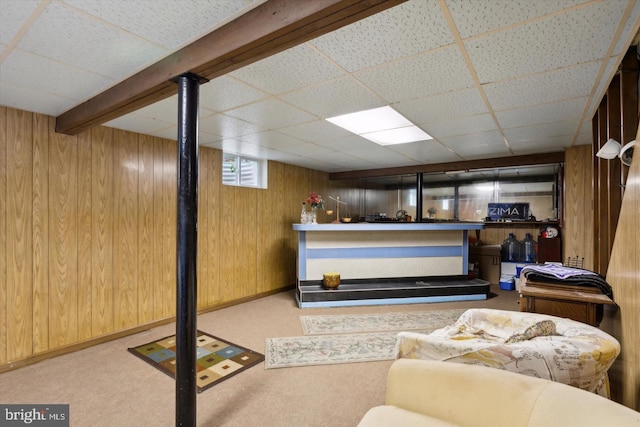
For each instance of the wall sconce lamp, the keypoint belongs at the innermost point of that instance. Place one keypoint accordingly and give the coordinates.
(612, 149)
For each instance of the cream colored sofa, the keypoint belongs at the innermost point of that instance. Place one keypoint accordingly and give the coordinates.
(433, 393)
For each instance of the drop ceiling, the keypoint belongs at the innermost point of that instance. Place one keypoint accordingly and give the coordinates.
(485, 78)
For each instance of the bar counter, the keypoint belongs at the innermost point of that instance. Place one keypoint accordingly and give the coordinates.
(377, 260)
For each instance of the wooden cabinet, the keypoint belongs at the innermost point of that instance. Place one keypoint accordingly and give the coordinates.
(582, 304)
(549, 250)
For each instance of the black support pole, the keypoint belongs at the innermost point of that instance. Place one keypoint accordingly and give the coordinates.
(419, 182)
(186, 308)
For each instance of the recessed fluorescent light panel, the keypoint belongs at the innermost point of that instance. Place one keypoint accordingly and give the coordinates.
(384, 126)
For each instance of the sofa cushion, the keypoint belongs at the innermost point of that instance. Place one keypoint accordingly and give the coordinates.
(387, 415)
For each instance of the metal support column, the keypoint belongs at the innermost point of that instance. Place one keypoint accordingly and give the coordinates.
(419, 181)
(186, 307)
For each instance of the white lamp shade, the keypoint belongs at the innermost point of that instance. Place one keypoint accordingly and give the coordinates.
(609, 150)
(626, 153)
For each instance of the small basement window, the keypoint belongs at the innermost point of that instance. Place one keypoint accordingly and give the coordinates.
(244, 171)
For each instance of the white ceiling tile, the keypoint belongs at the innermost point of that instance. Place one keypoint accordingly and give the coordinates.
(473, 17)
(419, 76)
(541, 131)
(241, 148)
(460, 126)
(318, 130)
(335, 97)
(271, 113)
(426, 152)
(474, 152)
(561, 40)
(289, 70)
(170, 133)
(165, 110)
(227, 127)
(68, 36)
(585, 138)
(137, 123)
(456, 143)
(14, 16)
(403, 30)
(446, 106)
(50, 76)
(224, 93)
(271, 139)
(609, 71)
(165, 22)
(381, 156)
(570, 109)
(566, 83)
(630, 28)
(307, 149)
(549, 145)
(349, 143)
(340, 160)
(403, 57)
(28, 99)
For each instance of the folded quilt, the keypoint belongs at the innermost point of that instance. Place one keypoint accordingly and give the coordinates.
(552, 273)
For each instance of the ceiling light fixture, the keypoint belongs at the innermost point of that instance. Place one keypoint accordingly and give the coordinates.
(612, 149)
(609, 150)
(384, 126)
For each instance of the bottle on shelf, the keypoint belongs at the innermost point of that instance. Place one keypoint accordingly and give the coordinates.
(303, 214)
(511, 249)
(529, 249)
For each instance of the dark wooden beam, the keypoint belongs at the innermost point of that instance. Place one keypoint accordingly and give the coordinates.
(269, 28)
(498, 162)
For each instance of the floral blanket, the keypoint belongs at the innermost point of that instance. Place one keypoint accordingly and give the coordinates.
(532, 344)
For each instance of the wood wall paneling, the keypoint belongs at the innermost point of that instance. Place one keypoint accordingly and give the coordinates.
(102, 228)
(19, 253)
(85, 230)
(3, 235)
(63, 239)
(577, 231)
(614, 131)
(40, 213)
(624, 277)
(145, 227)
(88, 233)
(202, 262)
(169, 224)
(601, 179)
(629, 102)
(125, 271)
(159, 234)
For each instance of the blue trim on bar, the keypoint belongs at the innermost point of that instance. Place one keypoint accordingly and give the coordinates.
(302, 256)
(465, 252)
(390, 301)
(386, 252)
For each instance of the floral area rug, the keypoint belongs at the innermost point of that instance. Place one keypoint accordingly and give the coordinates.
(349, 338)
(397, 321)
(217, 359)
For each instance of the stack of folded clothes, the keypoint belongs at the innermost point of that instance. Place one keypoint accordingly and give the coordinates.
(561, 275)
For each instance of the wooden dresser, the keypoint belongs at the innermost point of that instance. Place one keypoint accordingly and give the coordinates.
(581, 303)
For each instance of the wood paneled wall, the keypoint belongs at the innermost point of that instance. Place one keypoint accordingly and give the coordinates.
(578, 229)
(88, 234)
(624, 277)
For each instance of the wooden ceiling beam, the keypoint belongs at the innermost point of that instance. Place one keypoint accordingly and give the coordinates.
(269, 28)
(497, 162)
